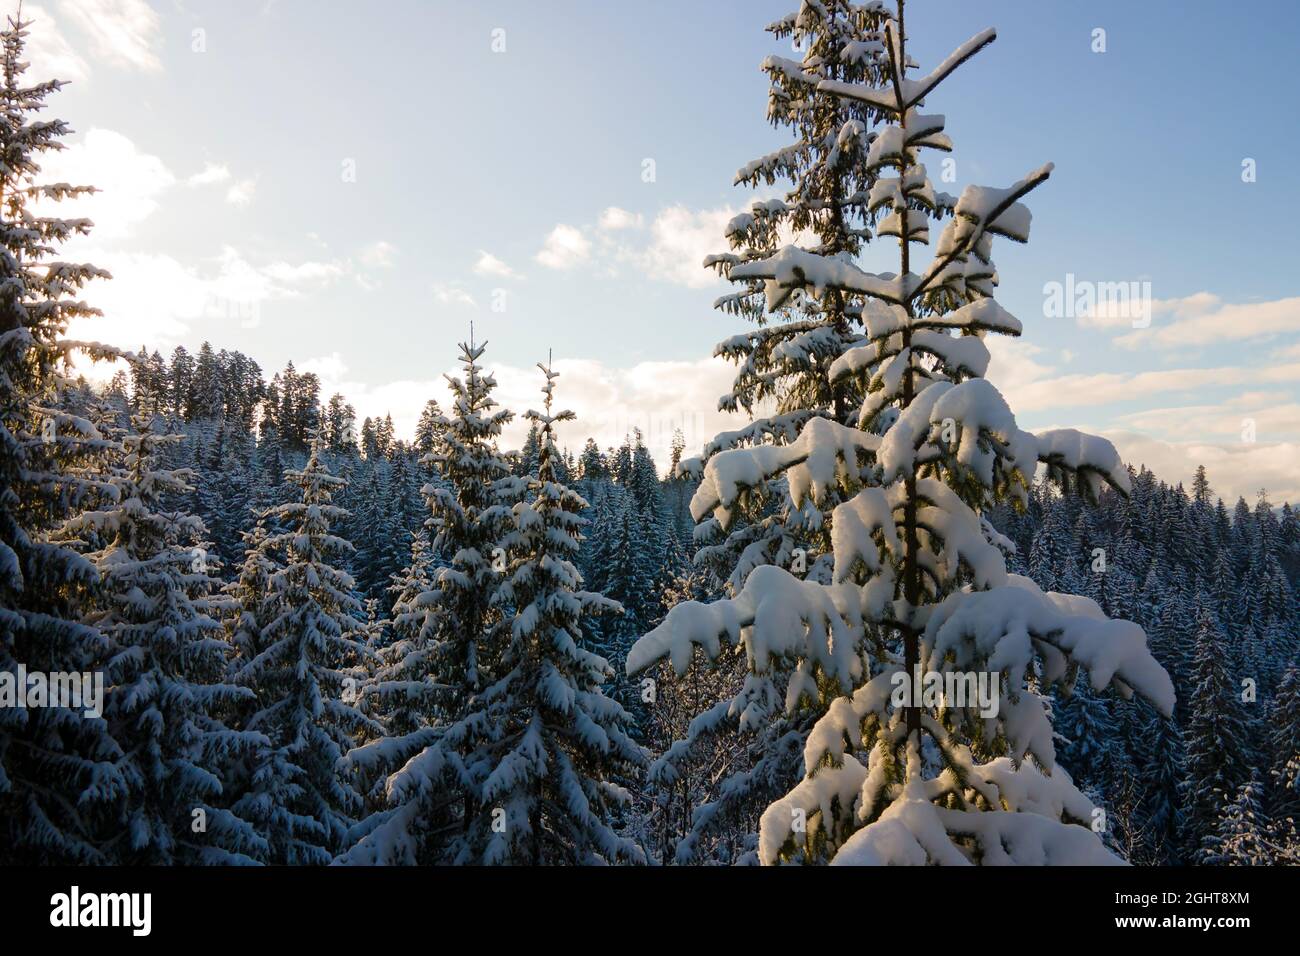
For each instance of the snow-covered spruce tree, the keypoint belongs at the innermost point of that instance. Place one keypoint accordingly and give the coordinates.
(1160, 753)
(254, 781)
(1169, 637)
(454, 627)
(668, 806)
(628, 576)
(1052, 554)
(219, 456)
(247, 592)
(1242, 837)
(542, 746)
(56, 766)
(369, 527)
(1086, 734)
(469, 514)
(918, 593)
(402, 700)
(1217, 753)
(427, 428)
(306, 668)
(157, 603)
(409, 511)
(398, 693)
(1285, 747)
(783, 364)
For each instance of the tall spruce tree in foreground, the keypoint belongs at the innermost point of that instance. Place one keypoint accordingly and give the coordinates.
(157, 605)
(58, 768)
(454, 631)
(306, 668)
(783, 362)
(918, 581)
(544, 745)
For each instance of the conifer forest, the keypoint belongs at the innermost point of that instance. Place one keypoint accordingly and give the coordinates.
(880, 617)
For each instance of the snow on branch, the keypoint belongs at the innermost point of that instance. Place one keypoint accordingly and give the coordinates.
(971, 422)
(865, 531)
(982, 315)
(981, 210)
(776, 616)
(792, 269)
(912, 92)
(825, 454)
(915, 832)
(1090, 457)
(999, 627)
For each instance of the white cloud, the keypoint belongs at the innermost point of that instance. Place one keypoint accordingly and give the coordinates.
(48, 51)
(1032, 386)
(328, 368)
(489, 265)
(123, 33)
(680, 240)
(209, 174)
(302, 271)
(451, 293)
(1270, 420)
(156, 299)
(564, 248)
(1198, 303)
(614, 218)
(129, 182)
(673, 251)
(1201, 320)
(241, 193)
(1235, 469)
(1014, 365)
(657, 397)
(1108, 316)
(1117, 305)
(379, 255)
(1172, 439)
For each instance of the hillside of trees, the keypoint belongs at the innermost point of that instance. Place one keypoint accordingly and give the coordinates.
(323, 643)
(1213, 586)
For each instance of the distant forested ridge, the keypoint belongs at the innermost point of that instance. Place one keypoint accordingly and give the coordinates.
(1214, 586)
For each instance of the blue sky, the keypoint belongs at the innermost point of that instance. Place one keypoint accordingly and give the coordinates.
(350, 185)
